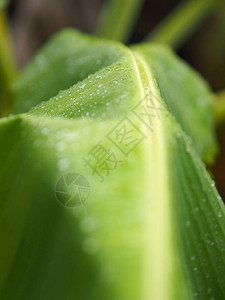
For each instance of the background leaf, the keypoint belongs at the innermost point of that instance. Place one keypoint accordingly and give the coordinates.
(118, 18)
(189, 14)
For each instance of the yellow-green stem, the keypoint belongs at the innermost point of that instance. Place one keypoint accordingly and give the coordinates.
(7, 65)
(220, 108)
(117, 19)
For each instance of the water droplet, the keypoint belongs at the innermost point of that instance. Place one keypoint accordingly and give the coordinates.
(63, 164)
(88, 225)
(188, 223)
(44, 131)
(40, 59)
(90, 246)
(60, 146)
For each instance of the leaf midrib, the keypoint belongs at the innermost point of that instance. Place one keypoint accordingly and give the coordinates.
(158, 269)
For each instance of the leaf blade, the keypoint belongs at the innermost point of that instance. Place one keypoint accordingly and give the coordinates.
(140, 226)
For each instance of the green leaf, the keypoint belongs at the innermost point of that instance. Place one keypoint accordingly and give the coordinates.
(186, 94)
(153, 226)
(71, 57)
